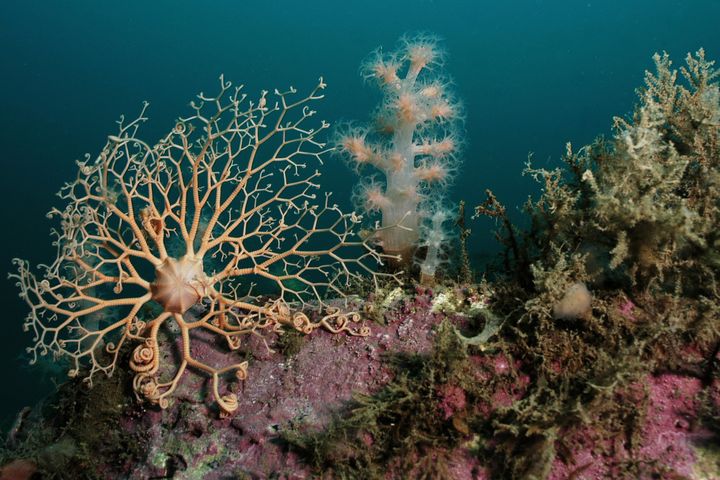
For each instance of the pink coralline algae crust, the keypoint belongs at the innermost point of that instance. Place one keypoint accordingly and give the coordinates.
(626, 309)
(461, 464)
(509, 388)
(306, 388)
(452, 400)
(668, 438)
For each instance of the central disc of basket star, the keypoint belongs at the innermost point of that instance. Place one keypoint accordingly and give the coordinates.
(179, 284)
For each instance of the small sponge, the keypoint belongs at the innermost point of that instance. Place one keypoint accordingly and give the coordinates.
(576, 303)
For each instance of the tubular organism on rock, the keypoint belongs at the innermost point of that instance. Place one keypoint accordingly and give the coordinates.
(223, 203)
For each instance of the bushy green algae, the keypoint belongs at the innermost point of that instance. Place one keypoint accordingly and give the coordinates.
(635, 218)
(644, 205)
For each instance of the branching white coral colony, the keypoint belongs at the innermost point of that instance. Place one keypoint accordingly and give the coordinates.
(223, 204)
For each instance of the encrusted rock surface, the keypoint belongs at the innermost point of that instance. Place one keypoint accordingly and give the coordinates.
(306, 385)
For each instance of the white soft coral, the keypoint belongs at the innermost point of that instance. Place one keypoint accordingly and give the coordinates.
(414, 145)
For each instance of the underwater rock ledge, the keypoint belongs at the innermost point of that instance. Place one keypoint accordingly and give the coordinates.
(313, 390)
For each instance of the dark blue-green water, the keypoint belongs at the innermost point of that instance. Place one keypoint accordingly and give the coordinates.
(532, 75)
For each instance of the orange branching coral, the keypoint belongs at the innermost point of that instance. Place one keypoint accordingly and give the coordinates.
(174, 237)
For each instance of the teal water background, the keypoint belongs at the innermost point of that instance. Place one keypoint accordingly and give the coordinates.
(532, 75)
